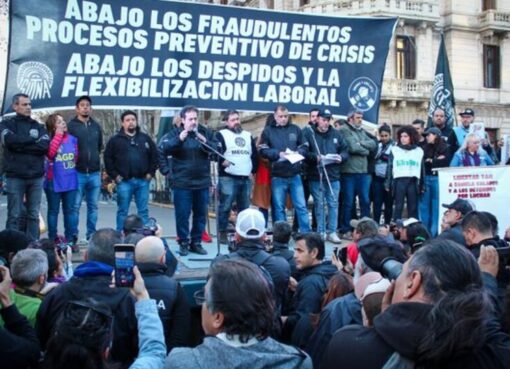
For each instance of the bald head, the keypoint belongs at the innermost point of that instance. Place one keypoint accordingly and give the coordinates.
(149, 250)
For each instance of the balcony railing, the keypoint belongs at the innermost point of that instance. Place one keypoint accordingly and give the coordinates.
(406, 89)
(495, 20)
(407, 9)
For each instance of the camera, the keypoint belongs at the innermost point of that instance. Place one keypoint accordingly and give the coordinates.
(382, 256)
(149, 229)
(341, 254)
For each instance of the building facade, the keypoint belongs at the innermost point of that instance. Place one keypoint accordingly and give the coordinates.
(477, 36)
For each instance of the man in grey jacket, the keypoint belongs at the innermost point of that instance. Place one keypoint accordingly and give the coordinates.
(237, 316)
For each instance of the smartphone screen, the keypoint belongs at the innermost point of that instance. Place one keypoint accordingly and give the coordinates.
(124, 263)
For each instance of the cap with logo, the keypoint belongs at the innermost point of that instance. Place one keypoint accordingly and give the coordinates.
(325, 113)
(468, 111)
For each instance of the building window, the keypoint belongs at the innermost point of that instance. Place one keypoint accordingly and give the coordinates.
(491, 66)
(304, 2)
(406, 57)
(488, 4)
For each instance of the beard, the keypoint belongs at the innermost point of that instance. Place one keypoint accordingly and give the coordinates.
(237, 128)
(131, 129)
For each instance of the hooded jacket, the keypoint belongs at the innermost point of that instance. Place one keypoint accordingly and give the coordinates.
(276, 139)
(329, 142)
(214, 353)
(190, 160)
(122, 149)
(26, 143)
(90, 144)
(401, 328)
(92, 279)
(308, 297)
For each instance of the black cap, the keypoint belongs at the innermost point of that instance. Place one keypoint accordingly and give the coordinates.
(433, 130)
(461, 205)
(325, 114)
(468, 111)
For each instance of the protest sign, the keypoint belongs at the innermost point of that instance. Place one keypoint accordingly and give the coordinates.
(166, 54)
(485, 187)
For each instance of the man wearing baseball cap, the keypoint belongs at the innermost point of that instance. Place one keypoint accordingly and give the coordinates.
(453, 218)
(324, 176)
(250, 236)
(456, 139)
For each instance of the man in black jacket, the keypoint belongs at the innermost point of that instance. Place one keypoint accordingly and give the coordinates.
(93, 279)
(250, 236)
(90, 143)
(191, 177)
(453, 219)
(323, 172)
(25, 143)
(170, 298)
(19, 347)
(439, 316)
(131, 159)
(309, 253)
(279, 140)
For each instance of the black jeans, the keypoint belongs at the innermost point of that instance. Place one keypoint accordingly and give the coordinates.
(405, 188)
(379, 197)
(24, 194)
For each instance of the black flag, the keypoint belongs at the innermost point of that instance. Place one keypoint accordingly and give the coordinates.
(442, 91)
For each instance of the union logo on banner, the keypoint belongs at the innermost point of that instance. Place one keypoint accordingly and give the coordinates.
(35, 79)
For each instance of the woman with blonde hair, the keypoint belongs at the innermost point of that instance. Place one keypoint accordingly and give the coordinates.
(471, 153)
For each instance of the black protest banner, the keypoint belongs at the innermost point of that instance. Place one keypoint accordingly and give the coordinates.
(163, 54)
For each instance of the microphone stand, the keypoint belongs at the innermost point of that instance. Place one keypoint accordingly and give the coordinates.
(323, 173)
(215, 181)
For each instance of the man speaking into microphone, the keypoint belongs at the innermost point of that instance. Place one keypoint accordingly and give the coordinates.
(188, 146)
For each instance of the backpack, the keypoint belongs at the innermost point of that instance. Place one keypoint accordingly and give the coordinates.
(397, 361)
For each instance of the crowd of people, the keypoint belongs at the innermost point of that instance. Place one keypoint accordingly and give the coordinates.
(403, 293)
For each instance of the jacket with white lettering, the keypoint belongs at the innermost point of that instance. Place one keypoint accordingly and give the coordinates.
(222, 148)
(171, 301)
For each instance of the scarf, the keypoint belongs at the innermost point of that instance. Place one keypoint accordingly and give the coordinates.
(466, 159)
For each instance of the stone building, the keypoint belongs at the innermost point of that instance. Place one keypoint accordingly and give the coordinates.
(477, 41)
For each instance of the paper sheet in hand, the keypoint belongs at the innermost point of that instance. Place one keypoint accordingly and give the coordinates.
(331, 159)
(292, 156)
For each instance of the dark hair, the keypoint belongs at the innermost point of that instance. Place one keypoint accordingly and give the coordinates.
(132, 223)
(339, 285)
(48, 246)
(16, 97)
(384, 128)
(282, 232)
(452, 281)
(410, 131)
(238, 289)
(133, 238)
(12, 241)
(494, 222)
(51, 123)
(313, 240)
(312, 110)
(228, 113)
(372, 305)
(186, 110)
(84, 97)
(100, 246)
(478, 221)
(421, 122)
(126, 113)
(81, 336)
(417, 234)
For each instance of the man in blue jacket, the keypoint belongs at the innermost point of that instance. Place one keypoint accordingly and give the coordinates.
(25, 142)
